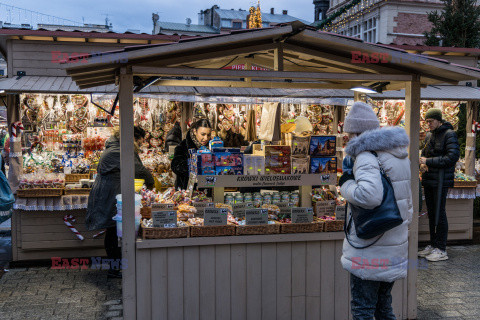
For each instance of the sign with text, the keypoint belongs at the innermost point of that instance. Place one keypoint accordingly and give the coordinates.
(272, 180)
(164, 219)
(215, 216)
(302, 215)
(340, 212)
(239, 208)
(325, 208)
(201, 206)
(162, 206)
(255, 217)
(285, 208)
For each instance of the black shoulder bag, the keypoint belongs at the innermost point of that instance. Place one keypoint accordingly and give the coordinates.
(370, 223)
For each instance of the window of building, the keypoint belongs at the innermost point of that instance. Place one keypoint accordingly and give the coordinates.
(236, 24)
(369, 30)
(2, 72)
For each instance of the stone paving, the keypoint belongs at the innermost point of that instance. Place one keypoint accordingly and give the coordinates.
(450, 289)
(44, 293)
(446, 290)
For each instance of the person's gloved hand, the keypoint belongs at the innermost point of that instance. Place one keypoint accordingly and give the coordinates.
(347, 166)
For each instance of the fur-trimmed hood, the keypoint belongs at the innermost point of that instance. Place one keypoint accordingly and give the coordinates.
(390, 139)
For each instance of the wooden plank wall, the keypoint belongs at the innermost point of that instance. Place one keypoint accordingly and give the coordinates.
(35, 57)
(460, 220)
(42, 235)
(286, 280)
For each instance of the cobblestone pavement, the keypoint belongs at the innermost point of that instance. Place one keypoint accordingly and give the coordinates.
(451, 289)
(43, 293)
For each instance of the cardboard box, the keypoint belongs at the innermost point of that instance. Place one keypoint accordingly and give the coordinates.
(323, 165)
(277, 151)
(253, 165)
(300, 145)
(323, 146)
(229, 170)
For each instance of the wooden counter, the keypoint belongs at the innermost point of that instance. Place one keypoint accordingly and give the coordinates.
(43, 234)
(289, 276)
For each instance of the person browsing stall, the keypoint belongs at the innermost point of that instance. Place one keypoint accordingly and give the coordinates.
(437, 164)
(198, 136)
(375, 264)
(102, 200)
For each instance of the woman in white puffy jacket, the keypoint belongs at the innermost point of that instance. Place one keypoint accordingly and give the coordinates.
(374, 269)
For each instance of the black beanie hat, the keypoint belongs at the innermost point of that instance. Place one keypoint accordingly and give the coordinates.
(434, 114)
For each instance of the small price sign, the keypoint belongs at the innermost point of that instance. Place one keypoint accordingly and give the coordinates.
(215, 216)
(162, 206)
(201, 206)
(239, 208)
(302, 215)
(164, 219)
(340, 212)
(256, 216)
(285, 208)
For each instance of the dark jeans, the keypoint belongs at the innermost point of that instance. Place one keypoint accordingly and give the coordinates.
(371, 298)
(438, 236)
(111, 244)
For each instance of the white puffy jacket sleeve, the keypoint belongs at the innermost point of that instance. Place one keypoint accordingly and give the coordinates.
(366, 191)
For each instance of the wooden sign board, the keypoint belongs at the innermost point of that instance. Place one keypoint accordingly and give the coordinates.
(164, 219)
(254, 217)
(302, 215)
(215, 217)
(277, 180)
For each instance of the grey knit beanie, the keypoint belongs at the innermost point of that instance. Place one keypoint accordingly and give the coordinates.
(360, 118)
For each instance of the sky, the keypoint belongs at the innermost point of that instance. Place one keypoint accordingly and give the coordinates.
(137, 15)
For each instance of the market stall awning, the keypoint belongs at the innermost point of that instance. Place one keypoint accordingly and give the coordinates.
(436, 92)
(301, 57)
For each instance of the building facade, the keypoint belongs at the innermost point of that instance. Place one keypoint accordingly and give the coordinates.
(381, 21)
(226, 20)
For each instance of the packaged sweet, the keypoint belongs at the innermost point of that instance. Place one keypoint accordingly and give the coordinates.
(323, 146)
(186, 209)
(196, 221)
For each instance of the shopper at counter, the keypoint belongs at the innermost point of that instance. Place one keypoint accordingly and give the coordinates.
(198, 136)
(437, 163)
(375, 268)
(102, 202)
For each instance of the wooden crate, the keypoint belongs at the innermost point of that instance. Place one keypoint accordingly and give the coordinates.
(165, 233)
(75, 177)
(39, 192)
(260, 229)
(77, 191)
(465, 184)
(316, 226)
(212, 231)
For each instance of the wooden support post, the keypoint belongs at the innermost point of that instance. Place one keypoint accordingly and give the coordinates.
(471, 138)
(359, 96)
(219, 195)
(412, 107)
(127, 173)
(15, 163)
(184, 118)
(305, 196)
(248, 66)
(278, 59)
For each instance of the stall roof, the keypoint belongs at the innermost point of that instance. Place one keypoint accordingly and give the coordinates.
(57, 85)
(298, 47)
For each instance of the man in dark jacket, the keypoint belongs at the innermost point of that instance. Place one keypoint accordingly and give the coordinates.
(437, 163)
(102, 200)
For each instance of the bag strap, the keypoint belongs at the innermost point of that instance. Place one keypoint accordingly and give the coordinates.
(346, 229)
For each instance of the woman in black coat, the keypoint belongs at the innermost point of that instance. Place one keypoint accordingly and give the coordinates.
(102, 200)
(199, 135)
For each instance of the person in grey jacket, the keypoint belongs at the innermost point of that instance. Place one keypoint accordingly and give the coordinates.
(375, 269)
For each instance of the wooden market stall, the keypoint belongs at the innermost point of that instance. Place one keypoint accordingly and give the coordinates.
(266, 276)
(34, 66)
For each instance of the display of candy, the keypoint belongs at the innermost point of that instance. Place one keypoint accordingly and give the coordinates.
(460, 176)
(273, 211)
(196, 221)
(224, 206)
(41, 180)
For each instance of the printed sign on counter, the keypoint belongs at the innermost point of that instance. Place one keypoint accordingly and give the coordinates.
(215, 216)
(239, 208)
(340, 212)
(302, 215)
(164, 219)
(162, 206)
(201, 206)
(256, 216)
